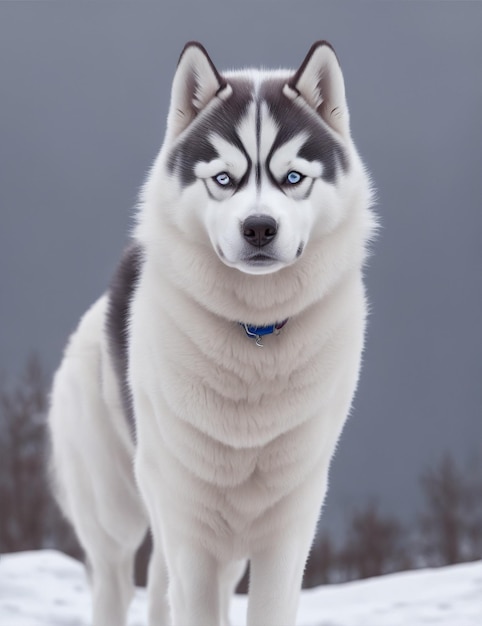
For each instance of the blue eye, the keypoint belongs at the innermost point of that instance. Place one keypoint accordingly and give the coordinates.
(293, 178)
(222, 179)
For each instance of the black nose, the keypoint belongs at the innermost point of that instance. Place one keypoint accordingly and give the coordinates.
(258, 230)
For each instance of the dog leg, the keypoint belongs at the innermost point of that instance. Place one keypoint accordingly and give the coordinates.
(231, 574)
(275, 581)
(112, 584)
(157, 587)
(276, 568)
(194, 588)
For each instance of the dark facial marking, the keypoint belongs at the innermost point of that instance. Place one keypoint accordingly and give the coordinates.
(258, 144)
(116, 325)
(207, 190)
(195, 146)
(292, 120)
(308, 191)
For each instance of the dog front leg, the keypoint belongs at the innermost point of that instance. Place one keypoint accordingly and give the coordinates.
(275, 581)
(158, 580)
(194, 587)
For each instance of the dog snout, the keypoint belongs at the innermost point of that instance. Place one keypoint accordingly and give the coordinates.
(259, 230)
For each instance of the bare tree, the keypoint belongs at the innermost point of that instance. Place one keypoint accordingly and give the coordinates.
(322, 562)
(375, 545)
(29, 518)
(451, 524)
(22, 442)
(473, 537)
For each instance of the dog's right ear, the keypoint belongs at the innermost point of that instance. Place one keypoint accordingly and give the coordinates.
(195, 84)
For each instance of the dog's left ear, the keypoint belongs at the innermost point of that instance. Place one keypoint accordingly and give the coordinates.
(195, 84)
(319, 81)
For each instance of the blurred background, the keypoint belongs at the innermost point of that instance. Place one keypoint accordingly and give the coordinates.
(84, 96)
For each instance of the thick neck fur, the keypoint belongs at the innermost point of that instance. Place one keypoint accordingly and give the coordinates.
(175, 241)
(195, 268)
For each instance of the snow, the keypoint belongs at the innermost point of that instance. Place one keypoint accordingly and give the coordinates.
(47, 588)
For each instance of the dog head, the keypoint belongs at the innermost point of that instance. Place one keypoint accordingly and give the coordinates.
(258, 163)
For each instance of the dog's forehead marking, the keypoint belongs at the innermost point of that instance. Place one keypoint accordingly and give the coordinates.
(235, 159)
(293, 117)
(269, 129)
(287, 157)
(277, 131)
(194, 146)
(247, 131)
(287, 153)
(257, 131)
(257, 119)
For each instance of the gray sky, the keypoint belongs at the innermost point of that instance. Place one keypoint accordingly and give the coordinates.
(84, 93)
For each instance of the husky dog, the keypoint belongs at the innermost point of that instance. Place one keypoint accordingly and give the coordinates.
(203, 395)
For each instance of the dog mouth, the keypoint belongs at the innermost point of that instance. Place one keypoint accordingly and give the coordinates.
(257, 261)
(260, 263)
(260, 258)
(256, 258)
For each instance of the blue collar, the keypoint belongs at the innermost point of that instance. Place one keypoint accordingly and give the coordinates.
(256, 332)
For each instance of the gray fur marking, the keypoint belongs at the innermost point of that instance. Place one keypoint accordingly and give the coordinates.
(120, 295)
(291, 119)
(195, 146)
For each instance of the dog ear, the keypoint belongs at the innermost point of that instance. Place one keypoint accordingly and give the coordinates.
(319, 81)
(195, 83)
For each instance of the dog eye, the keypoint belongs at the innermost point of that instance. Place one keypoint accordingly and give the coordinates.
(223, 179)
(293, 178)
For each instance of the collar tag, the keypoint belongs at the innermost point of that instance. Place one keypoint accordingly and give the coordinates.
(256, 332)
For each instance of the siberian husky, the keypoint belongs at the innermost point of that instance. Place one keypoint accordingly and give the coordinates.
(203, 395)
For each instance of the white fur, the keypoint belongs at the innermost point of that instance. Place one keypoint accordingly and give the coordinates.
(234, 442)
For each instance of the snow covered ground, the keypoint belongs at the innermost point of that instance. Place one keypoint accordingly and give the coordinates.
(47, 588)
